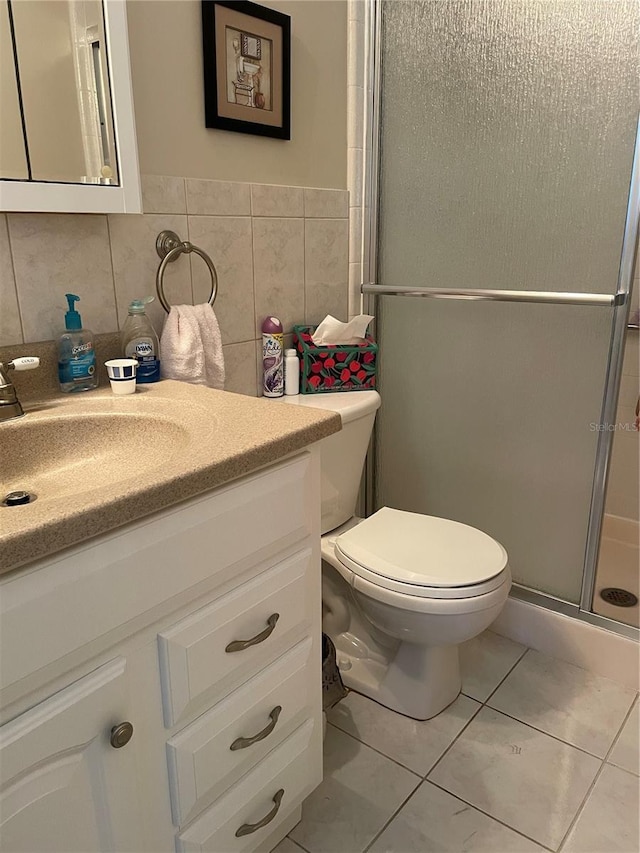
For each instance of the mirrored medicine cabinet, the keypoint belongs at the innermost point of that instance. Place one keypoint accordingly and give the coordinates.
(67, 135)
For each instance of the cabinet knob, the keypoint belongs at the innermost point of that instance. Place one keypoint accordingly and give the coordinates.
(121, 735)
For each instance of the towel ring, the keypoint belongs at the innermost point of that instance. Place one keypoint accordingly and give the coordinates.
(169, 246)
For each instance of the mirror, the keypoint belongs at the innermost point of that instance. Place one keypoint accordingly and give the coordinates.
(63, 87)
(13, 154)
(67, 109)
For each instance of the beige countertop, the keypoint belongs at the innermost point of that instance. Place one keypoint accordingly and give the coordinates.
(97, 461)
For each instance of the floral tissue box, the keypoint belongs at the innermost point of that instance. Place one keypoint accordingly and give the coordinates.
(345, 367)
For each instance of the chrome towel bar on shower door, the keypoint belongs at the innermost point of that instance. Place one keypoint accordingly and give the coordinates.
(542, 296)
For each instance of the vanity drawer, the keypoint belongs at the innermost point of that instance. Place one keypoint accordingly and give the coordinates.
(202, 762)
(273, 789)
(212, 651)
(136, 571)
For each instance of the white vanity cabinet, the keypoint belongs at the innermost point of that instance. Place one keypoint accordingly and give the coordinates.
(64, 787)
(161, 685)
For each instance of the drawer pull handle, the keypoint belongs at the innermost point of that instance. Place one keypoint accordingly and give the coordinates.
(244, 742)
(248, 828)
(240, 645)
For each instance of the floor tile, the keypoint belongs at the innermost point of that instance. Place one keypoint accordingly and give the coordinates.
(626, 752)
(433, 821)
(484, 662)
(415, 744)
(360, 792)
(563, 700)
(609, 821)
(524, 778)
(287, 846)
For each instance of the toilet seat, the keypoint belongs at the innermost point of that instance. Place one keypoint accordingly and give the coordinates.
(422, 555)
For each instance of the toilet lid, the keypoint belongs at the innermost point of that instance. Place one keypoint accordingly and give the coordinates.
(420, 551)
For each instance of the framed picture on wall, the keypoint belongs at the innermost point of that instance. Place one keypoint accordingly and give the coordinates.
(247, 68)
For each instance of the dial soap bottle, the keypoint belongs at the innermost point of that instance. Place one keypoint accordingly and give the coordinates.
(76, 353)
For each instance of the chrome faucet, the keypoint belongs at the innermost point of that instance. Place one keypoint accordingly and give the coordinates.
(9, 404)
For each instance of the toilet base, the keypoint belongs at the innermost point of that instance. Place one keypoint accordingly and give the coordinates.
(417, 681)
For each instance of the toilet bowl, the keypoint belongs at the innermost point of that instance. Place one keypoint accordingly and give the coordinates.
(400, 590)
(421, 586)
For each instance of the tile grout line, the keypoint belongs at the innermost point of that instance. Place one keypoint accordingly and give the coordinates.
(463, 729)
(393, 816)
(581, 807)
(113, 272)
(471, 805)
(395, 760)
(583, 804)
(482, 705)
(379, 752)
(257, 376)
(258, 348)
(490, 816)
(184, 196)
(437, 761)
(543, 732)
(499, 685)
(244, 341)
(635, 702)
(422, 777)
(304, 262)
(15, 278)
(191, 282)
(597, 776)
(435, 784)
(424, 782)
(293, 841)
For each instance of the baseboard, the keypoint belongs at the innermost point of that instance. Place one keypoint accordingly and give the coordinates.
(571, 640)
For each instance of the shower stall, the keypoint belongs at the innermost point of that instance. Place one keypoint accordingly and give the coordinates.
(503, 197)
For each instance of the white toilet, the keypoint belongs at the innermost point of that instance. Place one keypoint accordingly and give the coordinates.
(400, 591)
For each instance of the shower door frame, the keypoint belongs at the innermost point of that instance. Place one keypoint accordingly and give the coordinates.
(620, 301)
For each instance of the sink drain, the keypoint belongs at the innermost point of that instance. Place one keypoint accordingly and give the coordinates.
(618, 597)
(18, 498)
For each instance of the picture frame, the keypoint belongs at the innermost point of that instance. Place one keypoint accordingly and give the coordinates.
(247, 68)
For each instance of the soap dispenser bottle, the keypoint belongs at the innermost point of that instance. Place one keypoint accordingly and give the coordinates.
(139, 340)
(76, 353)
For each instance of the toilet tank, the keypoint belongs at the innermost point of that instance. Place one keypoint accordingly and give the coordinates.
(342, 454)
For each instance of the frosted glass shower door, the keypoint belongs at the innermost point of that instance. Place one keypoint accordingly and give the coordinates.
(507, 138)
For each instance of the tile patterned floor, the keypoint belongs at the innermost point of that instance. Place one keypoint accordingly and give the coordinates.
(535, 755)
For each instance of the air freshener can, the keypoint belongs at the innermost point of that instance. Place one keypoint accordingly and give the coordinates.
(272, 358)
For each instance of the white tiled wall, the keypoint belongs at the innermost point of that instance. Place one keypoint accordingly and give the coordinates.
(278, 250)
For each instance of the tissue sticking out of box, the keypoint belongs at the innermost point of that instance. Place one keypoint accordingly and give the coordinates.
(331, 331)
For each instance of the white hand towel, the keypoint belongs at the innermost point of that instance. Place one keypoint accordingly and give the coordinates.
(212, 339)
(191, 346)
